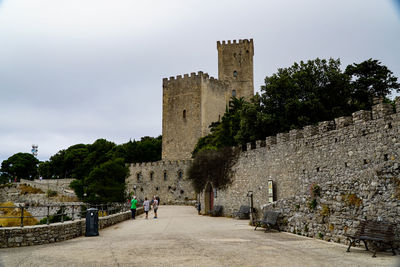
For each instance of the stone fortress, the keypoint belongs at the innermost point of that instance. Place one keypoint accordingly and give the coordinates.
(190, 104)
(355, 160)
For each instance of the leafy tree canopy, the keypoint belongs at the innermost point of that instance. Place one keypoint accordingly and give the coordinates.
(20, 166)
(302, 94)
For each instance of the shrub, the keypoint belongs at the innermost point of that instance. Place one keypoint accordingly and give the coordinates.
(214, 166)
(325, 210)
(352, 200)
(315, 190)
(51, 193)
(312, 204)
(55, 218)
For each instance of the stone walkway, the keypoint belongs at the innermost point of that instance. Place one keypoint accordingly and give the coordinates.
(180, 237)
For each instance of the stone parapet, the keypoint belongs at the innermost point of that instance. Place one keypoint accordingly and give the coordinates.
(57, 232)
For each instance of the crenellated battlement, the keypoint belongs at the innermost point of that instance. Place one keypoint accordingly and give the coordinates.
(235, 42)
(358, 118)
(191, 78)
(186, 76)
(161, 163)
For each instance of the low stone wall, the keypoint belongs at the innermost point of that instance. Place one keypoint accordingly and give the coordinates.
(60, 186)
(57, 232)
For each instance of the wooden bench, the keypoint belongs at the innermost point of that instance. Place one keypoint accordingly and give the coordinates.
(373, 232)
(243, 213)
(269, 220)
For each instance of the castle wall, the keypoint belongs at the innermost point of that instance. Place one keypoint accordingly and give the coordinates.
(354, 160)
(235, 67)
(181, 125)
(213, 104)
(175, 189)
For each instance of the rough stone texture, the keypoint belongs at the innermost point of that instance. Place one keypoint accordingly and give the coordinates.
(61, 186)
(356, 165)
(175, 189)
(192, 102)
(44, 234)
(235, 67)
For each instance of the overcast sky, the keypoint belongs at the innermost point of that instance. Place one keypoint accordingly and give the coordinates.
(73, 71)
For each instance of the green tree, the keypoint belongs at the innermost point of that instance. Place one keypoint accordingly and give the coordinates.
(304, 94)
(212, 166)
(20, 165)
(106, 183)
(370, 79)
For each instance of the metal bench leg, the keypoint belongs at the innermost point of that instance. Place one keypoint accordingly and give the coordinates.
(352, 242)
(393, 251)
(365, 244)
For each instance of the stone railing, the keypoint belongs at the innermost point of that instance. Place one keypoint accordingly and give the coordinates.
(44, 234)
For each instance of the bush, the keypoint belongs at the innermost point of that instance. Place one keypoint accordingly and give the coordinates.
(51, 193)
(213, 166)
(55, 218)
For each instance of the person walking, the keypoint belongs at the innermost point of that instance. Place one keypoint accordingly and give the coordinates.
(155, 207)
(133, 207)
(146, 207)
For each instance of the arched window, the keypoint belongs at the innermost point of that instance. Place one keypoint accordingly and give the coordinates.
(180, 175)
(235, 73)
(234, 93)
(151, 176)
(165, 175)
(138, 176)
(184, 114)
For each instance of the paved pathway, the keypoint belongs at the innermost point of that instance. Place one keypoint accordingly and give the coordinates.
(180, 237)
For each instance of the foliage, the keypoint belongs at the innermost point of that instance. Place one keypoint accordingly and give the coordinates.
(352, 200)
(26, 189)
(51, 193)
(212, 166)
(312, 205)
(106, 183)
(315, 190)
(55, 218)
(223, 133)
(302, 94)
(325, 210)
(370, 79)
(9, 210)
(20, 165)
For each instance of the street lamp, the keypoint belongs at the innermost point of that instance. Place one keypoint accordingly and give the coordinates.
(250, 195)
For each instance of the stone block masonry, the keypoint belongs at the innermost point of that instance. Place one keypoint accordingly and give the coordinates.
(57, 232)
(166, 179)
(354, 160)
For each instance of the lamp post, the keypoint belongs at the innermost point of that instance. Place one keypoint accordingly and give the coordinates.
(250, 195)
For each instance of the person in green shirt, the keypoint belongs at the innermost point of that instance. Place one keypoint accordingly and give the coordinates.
(133, 207)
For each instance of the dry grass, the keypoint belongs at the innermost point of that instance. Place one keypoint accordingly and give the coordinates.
(8, 211)
(26, 189)
(62, 198)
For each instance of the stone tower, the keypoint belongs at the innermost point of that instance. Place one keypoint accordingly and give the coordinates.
(190, 105)
(235, 67)
(192, 102)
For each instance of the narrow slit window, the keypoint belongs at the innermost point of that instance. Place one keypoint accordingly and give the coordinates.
(184, 114)
(234, 93)
(235, 73)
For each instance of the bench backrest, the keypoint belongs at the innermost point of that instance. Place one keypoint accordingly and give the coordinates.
(376, 229)
(244, 209)
(271, 217)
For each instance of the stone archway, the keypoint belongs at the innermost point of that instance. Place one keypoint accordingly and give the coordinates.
(208, 199)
